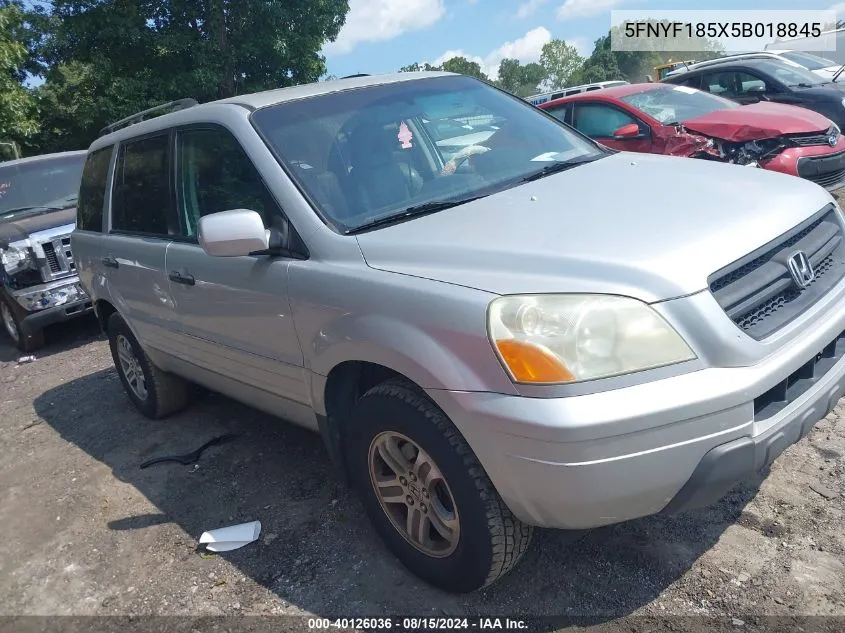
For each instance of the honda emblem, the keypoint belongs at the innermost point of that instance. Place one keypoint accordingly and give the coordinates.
(801, 269)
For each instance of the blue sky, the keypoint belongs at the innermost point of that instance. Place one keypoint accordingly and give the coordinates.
(381, 35)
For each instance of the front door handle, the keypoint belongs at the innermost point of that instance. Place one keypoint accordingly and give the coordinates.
(110, 262)
(181, 278)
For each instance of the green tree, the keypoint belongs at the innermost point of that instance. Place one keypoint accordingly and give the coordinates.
(463, 66)
(17, 106)
(415, 67)
(560, 61)
(518, 79)
(132, 54)
(605, 64)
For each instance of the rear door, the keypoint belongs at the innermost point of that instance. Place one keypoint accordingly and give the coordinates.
(86, 240)
(562, 112)
(234, 313)
(142, 223)
(601, 122)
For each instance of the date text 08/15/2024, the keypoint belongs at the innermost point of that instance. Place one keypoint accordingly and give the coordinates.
(417, 624)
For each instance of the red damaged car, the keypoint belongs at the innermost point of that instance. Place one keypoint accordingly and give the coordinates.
(683, 121)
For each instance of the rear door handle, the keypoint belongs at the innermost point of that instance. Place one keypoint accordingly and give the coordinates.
(110, 262)
(181, 278)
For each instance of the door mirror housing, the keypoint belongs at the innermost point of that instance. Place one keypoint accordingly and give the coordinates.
(628, 131)
(233, 233)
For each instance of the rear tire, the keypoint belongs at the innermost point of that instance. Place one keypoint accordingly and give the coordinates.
(12, 327)
(471, 539)
(154, 392)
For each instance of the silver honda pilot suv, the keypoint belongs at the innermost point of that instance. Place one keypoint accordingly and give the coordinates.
(494, 322)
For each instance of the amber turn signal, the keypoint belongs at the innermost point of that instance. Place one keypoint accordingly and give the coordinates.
(531, 363)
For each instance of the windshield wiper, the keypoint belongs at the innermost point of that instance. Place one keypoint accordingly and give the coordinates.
(31, 208)
(416, 211)
(558, 167)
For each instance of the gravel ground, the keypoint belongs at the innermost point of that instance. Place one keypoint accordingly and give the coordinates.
(87, 532)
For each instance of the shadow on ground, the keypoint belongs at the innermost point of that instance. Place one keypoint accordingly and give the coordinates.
(324, 558)
(58, 338)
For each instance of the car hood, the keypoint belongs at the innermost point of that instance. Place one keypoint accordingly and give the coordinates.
(758, 121)
(646, 226)
(15, 229)
(827, 72)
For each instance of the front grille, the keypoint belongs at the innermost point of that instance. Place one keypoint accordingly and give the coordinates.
(58, 259)
(799, 381)
(52, 259)
(810, 140)
(828, 180)
(758, 292)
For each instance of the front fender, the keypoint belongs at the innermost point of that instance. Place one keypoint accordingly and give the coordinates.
(432, 360)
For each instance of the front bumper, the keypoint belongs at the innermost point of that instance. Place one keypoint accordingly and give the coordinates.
(55, 302)
(693, 436)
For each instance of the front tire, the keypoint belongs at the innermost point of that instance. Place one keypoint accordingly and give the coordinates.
(154, 392)
(426, 493)
(12, 326)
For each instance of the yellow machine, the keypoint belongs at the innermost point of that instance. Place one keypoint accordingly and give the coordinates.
(660, 72)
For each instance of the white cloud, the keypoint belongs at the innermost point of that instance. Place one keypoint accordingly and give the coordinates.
(583, 45)
(526, 49)
(382, 20)
(529, 8)
(586, 8)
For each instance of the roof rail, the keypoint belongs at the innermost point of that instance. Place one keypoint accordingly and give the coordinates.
(732, 56)
(356, 75)
(179, 104)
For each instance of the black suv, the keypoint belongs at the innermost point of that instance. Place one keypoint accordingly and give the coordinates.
(753, 80)
(38, 280)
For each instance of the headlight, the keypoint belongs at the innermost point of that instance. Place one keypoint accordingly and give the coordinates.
(15, 257)
(547, 339)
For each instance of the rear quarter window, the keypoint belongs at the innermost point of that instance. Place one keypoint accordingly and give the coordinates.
(92, 191)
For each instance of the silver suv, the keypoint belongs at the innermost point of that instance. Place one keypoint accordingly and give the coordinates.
(521, 335)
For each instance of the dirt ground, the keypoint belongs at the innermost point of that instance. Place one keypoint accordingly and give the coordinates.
(85, 531)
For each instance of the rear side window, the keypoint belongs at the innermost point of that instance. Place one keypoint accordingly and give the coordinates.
(92, 191)
(142, 202)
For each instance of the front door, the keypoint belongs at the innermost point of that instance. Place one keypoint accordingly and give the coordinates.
(602, 122)
(234, 313)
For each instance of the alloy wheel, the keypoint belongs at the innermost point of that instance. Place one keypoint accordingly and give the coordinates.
(414, 494)
(131, 367)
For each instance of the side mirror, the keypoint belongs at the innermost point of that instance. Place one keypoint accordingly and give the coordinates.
(234, 233)
(628, 131)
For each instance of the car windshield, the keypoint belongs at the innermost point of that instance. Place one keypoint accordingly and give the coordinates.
(677, 104)
(39, 185)
(790, 75)
(419, 145)
(808, 61)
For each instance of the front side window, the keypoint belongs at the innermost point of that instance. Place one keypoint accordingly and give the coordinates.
(600, 121)
(92, 192)
(365, 155)
(40, 186)
(141, 202)
(731, 84)
(215, 174)
(676, 104)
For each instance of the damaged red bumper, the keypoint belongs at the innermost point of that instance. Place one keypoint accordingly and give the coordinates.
(822, 164)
